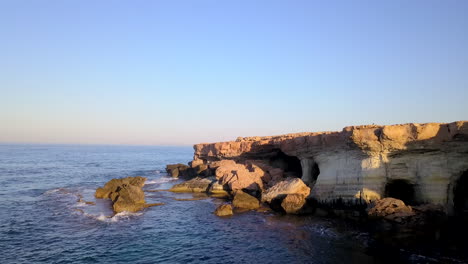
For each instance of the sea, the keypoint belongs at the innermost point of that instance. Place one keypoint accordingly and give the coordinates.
(48, 214)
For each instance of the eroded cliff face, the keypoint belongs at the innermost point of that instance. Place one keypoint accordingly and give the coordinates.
(418, 163)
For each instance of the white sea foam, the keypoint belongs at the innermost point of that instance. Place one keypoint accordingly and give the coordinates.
(111, 219)
(60, 191)
(324, 231)
(101, 217)
(117, 217)
(63, 193)
(80, 204)
(124, 215)
(160, 180)
(52, 191)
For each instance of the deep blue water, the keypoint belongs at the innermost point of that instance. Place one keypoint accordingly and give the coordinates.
(42, 219)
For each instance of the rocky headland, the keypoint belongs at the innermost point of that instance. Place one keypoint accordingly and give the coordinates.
(420, 165)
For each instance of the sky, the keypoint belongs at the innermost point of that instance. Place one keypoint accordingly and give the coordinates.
(184, 72)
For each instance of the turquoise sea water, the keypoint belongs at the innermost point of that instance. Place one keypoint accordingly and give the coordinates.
(44, 217)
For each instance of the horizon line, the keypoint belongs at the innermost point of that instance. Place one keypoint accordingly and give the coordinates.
(96, 144)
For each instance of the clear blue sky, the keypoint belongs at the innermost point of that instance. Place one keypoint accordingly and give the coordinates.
(182, 72)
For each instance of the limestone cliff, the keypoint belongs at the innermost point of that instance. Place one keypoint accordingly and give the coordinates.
(419, 163)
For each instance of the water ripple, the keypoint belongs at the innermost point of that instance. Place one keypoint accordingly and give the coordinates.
(44, 216)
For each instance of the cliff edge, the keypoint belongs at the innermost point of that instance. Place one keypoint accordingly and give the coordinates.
(417, 163)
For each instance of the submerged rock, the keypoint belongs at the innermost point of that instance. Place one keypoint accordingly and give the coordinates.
(224, 210)
(126, 194)
(245, 201)
(194, 185)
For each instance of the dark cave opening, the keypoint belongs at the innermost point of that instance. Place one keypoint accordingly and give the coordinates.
(315, 171)
(290, 164)
(400, 189)
(460, 195)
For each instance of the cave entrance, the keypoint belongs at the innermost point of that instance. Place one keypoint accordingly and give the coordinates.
(400, 189)
(310, 170)
(315, 171)
(460, 195)
(291, 165)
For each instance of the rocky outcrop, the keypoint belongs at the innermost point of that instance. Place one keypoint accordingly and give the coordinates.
(196, 185)
(289, 195)
(217, 189)
(224, 210)
(397, 212)
(390, 209)
(112, 186)
(129, 198)
(418, 163)
(293, 203)
(240, 177)
(289, 186)
(245, 201)
(181, 170)
(126, 194)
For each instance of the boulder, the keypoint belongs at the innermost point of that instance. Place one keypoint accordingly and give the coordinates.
(173, 169)
(130, 198)
(245, 201)
(391, 209)
(284, 188)
(102, 193)
(126, 194)
(217, 189)
(258, 172)
(112, 185)
(269, 174)
(202, 170)
(240, 177)
(194, 185)
(224, 210)
(215, 164)
(196, 162)
(180, 170)
(293, 203)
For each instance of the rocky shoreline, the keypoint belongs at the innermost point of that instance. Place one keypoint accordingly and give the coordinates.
(292, 196)
(408, 174)
(391, 172)
(404, 182)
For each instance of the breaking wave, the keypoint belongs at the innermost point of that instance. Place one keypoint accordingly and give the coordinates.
(111, 219)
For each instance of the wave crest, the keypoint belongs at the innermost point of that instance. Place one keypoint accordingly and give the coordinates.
(110, 219)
